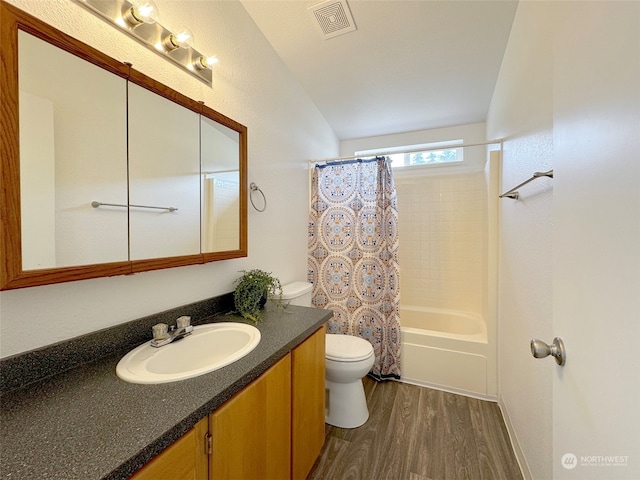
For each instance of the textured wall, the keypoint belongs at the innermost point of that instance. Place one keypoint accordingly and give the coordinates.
(250, 85)
(521, 112)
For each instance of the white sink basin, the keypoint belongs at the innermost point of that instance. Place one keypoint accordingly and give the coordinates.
(208, 348)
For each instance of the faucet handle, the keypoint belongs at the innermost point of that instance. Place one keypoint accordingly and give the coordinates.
(183, 322)
(160, 331)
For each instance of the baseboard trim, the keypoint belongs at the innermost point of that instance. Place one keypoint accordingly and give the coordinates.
(444, 388)
(515, 444)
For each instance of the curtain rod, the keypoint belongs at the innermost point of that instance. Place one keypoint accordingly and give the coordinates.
(416, 150)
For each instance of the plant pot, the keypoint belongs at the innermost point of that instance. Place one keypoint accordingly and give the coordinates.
(263, 300)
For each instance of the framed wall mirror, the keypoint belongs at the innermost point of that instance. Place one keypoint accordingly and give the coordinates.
(104, 170)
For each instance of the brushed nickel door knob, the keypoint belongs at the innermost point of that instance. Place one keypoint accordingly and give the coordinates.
(540, 349)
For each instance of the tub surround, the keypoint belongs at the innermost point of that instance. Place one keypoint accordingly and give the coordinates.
(83, 422)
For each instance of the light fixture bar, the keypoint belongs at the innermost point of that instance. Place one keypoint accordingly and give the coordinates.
(154, 36)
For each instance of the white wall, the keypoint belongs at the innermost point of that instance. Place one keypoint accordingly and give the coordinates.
(568, 98)
(596, 240)
(521, 112)
(250, 85)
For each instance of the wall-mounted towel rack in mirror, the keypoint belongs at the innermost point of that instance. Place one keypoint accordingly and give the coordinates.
(95, 204)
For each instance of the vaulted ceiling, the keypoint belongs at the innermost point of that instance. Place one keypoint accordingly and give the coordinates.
(409, 65)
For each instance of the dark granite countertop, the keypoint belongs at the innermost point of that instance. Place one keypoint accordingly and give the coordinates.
(86, 423)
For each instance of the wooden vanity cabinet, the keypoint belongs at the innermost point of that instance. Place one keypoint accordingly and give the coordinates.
(308, 403)
(252, 431)
(185, 459)
(272, 429)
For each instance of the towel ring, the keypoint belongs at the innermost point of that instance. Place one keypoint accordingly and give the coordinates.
(256, 188)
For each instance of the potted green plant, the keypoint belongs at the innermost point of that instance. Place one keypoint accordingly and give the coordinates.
(251, 293)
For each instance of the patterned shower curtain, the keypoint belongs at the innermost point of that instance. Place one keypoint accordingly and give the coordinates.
(353, 255)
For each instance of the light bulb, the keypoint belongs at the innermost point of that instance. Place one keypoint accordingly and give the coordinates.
(202, 63)
(145, 11)
(184, 37)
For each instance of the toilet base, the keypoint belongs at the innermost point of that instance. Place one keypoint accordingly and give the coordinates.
(346, 405)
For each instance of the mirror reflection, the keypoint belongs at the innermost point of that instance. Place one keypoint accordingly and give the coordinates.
(73, 150)
(220, 183)
(164, 167)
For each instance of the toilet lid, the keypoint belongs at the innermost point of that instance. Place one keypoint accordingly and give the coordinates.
(347, 348)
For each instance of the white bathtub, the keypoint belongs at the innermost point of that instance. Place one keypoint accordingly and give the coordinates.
(445, 349)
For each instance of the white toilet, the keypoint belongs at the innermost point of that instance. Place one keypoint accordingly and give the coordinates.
(347, 360)
(297, 293)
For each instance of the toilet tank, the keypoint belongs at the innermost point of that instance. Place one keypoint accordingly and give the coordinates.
(297, 293)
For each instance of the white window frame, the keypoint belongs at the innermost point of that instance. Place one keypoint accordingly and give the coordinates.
(407, 150)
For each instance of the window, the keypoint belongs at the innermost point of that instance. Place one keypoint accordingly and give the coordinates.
(411, 155)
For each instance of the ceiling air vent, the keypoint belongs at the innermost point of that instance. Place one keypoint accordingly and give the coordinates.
(332, 18)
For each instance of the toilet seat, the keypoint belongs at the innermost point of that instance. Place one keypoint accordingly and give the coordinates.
(347, 348)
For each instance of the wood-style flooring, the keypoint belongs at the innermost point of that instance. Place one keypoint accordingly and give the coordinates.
(417, 433)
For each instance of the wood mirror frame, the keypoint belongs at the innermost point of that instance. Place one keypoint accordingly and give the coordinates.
(12, 274)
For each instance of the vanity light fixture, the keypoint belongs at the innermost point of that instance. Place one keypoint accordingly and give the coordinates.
(139, 18)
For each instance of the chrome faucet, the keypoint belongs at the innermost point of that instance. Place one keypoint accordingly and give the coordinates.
(162, 335)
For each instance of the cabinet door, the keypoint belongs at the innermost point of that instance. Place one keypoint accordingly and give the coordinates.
(308, 397)
(164, 171)
(73, 150)
(185, 459)
(220, 186)
(252, 431)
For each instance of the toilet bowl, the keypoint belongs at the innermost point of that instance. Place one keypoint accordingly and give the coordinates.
(347, 360)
